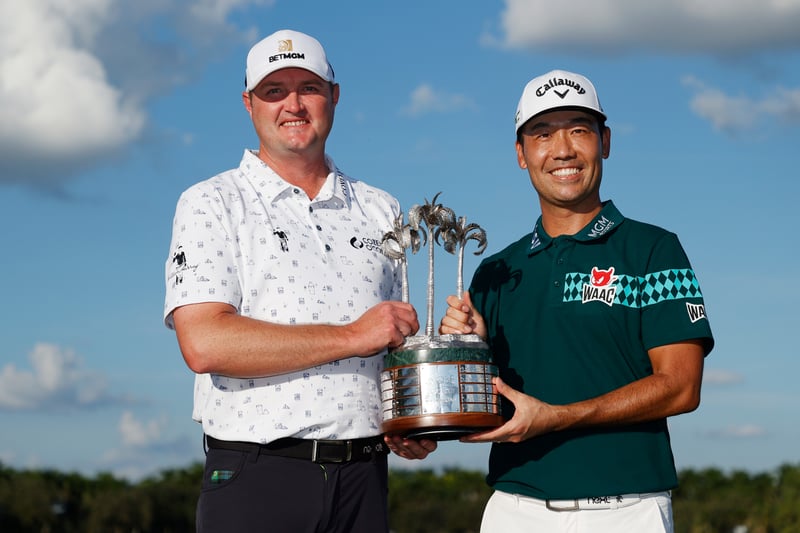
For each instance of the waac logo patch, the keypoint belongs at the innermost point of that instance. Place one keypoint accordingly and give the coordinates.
(601, 287)
(696, 312)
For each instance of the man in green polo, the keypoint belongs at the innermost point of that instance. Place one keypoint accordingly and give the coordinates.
(598, 326)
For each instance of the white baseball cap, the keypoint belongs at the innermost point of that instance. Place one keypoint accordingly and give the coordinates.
(555, 90)
(286, 49)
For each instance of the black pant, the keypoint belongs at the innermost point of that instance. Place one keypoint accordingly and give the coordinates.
(246, 492)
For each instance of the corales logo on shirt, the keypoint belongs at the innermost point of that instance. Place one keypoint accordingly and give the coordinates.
(601, 287)
(373, 245)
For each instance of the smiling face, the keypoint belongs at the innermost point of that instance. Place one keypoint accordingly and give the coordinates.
(292, 111)
(563, 152)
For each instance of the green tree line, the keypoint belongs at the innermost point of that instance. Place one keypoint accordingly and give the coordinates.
(420, 501)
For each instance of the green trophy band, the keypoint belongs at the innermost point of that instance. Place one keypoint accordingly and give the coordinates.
(439, 388)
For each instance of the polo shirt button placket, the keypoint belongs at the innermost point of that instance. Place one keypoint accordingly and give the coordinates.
(319, 228)
(560, 263)
(558, 266)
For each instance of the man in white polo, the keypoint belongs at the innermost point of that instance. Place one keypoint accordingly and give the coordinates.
(283, 305)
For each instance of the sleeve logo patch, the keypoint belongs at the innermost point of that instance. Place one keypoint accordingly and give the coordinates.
(696, 311)
(179, 267)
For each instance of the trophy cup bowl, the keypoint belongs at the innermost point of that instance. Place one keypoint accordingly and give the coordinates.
(439, 388)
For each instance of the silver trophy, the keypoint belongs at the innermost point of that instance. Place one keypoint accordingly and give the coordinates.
(437, 386)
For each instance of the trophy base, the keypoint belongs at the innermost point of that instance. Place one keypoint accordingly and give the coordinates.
(441, 427)
(439, 388)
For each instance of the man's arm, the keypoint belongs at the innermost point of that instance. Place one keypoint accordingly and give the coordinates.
(214, 338)
(673, 388)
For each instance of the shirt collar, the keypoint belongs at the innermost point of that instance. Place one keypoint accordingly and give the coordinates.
(606, 221)
(334, 194)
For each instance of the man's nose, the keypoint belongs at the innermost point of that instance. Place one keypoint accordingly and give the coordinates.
(562, 145)
(292, 101)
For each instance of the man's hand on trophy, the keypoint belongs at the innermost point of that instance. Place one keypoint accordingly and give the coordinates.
(461, 318)
(532, 417)
(410, 448)
(386, 324)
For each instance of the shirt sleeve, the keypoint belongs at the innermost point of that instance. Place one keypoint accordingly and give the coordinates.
(673, 309)
(202, 265)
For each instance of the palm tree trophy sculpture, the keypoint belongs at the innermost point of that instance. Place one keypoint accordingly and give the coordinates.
(454, 238)
(435, 216)
(395, 243)
(437, 386)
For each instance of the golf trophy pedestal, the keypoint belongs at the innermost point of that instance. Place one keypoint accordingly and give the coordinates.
(437, 387)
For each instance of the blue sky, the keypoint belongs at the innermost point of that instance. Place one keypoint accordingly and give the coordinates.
(109, 109)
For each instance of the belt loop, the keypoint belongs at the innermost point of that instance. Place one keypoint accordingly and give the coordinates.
(315, 452)
(253, 454)
(349, 452)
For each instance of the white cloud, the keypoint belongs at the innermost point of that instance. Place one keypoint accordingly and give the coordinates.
(140, 434)
(55, 100)
(57, 379)
(78, 75)
(741, 113)
(744, 431)
(218, 10)
(425, 99)
(712, 26)
(714, 376)
(783, 104)
(148, 447)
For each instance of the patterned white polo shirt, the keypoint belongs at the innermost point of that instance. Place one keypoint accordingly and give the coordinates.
(249, 239)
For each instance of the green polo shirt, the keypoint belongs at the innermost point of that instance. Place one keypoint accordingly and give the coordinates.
(571, 318)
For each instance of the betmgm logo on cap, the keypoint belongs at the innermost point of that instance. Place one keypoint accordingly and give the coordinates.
(286, 49)
(555, 90)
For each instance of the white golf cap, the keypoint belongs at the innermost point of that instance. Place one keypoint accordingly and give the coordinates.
(286, 49)
(555, 90)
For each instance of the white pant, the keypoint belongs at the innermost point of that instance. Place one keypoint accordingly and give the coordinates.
(512, 513)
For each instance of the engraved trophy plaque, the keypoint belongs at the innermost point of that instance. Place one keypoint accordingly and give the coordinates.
(437, 387)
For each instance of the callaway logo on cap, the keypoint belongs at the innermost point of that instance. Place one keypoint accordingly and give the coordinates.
(286, 49)
(554, 90)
